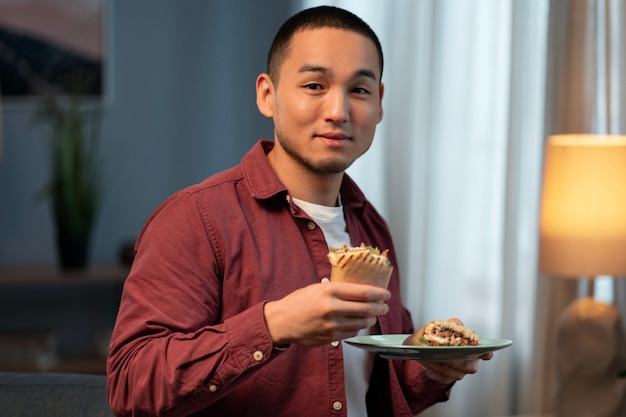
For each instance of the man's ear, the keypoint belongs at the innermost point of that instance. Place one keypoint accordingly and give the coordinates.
(265, 95)
(381, 94)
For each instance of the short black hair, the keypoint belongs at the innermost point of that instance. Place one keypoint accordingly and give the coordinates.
(316, 18)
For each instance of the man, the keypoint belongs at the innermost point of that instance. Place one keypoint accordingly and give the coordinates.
(227, 310)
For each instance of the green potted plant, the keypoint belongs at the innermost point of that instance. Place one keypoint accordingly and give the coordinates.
(74, 188)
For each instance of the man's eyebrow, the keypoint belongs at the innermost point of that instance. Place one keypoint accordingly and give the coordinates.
(365, 73)
(359, 73)
(314, 68)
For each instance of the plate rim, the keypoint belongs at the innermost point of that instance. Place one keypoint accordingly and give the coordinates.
(353, 340)
(433, 353)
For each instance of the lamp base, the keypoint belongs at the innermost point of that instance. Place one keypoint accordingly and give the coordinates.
(589, 343)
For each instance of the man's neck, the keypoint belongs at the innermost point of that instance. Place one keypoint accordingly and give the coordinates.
(316, 188)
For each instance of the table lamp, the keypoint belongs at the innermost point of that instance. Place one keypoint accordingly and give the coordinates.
(583, 236)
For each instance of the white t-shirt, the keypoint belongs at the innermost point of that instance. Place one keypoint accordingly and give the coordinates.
(358, 363)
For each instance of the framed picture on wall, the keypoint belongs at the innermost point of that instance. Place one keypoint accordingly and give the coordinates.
(52, 47)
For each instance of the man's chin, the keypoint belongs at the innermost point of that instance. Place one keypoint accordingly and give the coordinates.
(332, 166)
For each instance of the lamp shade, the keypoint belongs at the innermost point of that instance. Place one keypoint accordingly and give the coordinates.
(583, 206)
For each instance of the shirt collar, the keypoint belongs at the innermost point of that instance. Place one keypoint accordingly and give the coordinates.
(258, 173)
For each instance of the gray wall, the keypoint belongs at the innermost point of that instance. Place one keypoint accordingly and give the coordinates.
(182, 107)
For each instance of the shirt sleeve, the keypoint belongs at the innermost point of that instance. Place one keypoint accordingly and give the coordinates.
(420, 391)
(170, 353)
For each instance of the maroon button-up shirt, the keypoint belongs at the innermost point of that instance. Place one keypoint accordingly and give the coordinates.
(190, 336)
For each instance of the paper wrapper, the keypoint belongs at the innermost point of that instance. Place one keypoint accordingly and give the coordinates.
(360, 266)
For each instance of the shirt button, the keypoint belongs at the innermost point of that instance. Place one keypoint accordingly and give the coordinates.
(311, 225)
(258, 356)
(337, 405)
(335, 343)
(325, 279)
(212, 388)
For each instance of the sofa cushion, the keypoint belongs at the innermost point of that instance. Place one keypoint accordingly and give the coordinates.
(52, 395)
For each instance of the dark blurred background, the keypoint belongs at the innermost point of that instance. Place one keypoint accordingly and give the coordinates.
(178, 106)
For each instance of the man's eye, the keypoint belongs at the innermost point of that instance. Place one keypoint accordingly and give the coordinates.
(313, 86)
(360, 90)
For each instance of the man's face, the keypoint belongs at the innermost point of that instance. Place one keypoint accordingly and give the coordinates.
(327, 101)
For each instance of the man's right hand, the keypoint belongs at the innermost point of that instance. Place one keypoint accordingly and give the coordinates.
(321, 313)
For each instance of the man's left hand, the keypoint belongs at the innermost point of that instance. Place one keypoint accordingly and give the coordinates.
(449, 372)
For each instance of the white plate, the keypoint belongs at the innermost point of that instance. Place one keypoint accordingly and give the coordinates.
(390, 346)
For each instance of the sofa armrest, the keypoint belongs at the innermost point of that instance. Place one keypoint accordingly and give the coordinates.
(53, 394)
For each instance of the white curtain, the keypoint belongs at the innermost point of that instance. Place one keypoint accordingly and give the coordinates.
(455, 168)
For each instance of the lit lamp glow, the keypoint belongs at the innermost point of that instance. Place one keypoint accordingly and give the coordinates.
(583, 235)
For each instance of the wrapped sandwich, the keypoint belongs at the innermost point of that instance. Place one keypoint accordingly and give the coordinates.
(360, 265)
(443, 333)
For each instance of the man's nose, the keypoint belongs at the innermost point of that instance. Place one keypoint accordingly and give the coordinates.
(337, 107)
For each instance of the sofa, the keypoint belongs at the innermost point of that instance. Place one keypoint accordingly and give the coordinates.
(53, 395)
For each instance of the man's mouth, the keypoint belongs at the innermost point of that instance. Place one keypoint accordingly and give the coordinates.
(333, 136)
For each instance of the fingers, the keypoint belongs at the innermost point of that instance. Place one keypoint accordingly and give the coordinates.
(352, 307)
(346, 330)
(433, 371)
(358, 292)
(355, 300)
(449, 372)
(342, 308)
(324, 312)
(465, 367)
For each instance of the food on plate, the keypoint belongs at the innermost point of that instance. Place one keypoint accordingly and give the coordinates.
(360, 265)
(443, 333)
